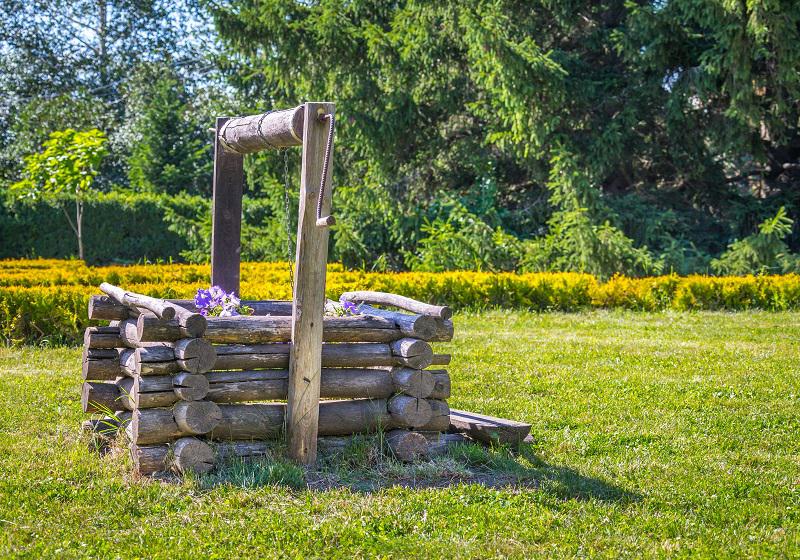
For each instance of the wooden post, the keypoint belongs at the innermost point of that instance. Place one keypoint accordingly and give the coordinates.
(226, 229)
(305, 357)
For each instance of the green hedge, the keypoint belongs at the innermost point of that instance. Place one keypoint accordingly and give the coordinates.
(118, 227)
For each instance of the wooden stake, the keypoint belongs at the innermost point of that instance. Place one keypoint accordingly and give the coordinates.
(305, 357)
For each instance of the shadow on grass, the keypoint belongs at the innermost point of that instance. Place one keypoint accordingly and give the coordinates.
(362, 467)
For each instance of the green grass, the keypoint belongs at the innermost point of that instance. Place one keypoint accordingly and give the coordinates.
(666, 435)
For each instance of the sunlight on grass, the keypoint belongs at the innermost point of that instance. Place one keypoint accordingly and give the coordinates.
(668, 434)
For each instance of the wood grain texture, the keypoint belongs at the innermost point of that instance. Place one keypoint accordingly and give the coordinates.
(409, 412)
(414, 353)
(195, 355)
(488, 429)
(226, 215)
(305, 355)
(159, 307)
(413, 382)
(254, 133)
(401, 302)
(102, 337)
(441, 384)
(104, 308)
(196, 417)
(193, 455)
(440, 417)
(273, 356)
(98, 397)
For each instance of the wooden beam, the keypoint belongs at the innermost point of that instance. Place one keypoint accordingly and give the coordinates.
(488, 429)
(226, 229)
(305, 357)
(254, 133)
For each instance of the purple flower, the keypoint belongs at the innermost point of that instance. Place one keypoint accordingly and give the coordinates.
(202, 299)
(350, 307)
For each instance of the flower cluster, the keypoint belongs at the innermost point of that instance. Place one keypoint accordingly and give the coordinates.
(214, 302)
(341, 308)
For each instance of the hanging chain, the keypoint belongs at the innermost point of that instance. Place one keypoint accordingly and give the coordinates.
(288, 218)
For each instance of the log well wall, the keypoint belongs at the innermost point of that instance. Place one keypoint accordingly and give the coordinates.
(195, 390)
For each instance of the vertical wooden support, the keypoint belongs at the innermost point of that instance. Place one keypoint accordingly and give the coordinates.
(226, 229)
(305, 358)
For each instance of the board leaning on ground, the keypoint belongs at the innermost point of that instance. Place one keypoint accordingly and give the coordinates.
(191, 391)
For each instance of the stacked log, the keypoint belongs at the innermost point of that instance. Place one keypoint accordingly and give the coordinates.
(195, 390)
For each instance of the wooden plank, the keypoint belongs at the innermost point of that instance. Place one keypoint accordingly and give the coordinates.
(305, 356)
(226, 230)
(488, 429)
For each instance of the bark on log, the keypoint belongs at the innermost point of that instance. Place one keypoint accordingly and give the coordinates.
(259, 330)
(150, 459)
(415, 353)
(272, 356)
(407, 446)
(159, 307)
(153, 425)
(401, 302)
(100, 397)
(441, 384)
(276, 129)
(413, 382)
(440, 417)
(409, 412)
(415, 326)
(489, 429)
(104, 308)
(101, 364)
(102, 337)
(192, 454)
(249, 421)
(339, 418)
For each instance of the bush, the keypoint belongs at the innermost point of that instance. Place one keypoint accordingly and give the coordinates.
(47, 299)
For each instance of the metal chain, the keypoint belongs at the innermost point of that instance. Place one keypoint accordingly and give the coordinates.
(288, 217)
(325, 162)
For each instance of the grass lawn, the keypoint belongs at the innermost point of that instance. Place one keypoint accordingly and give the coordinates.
(655, 435)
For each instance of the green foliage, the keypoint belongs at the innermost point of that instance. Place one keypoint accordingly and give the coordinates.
(367, 228)
(687, 107)
(459, 240)
(170, 148)
(64, 170)
(119, 228)
(764, 252)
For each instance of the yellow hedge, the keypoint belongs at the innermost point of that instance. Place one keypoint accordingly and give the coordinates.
(46, 299)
